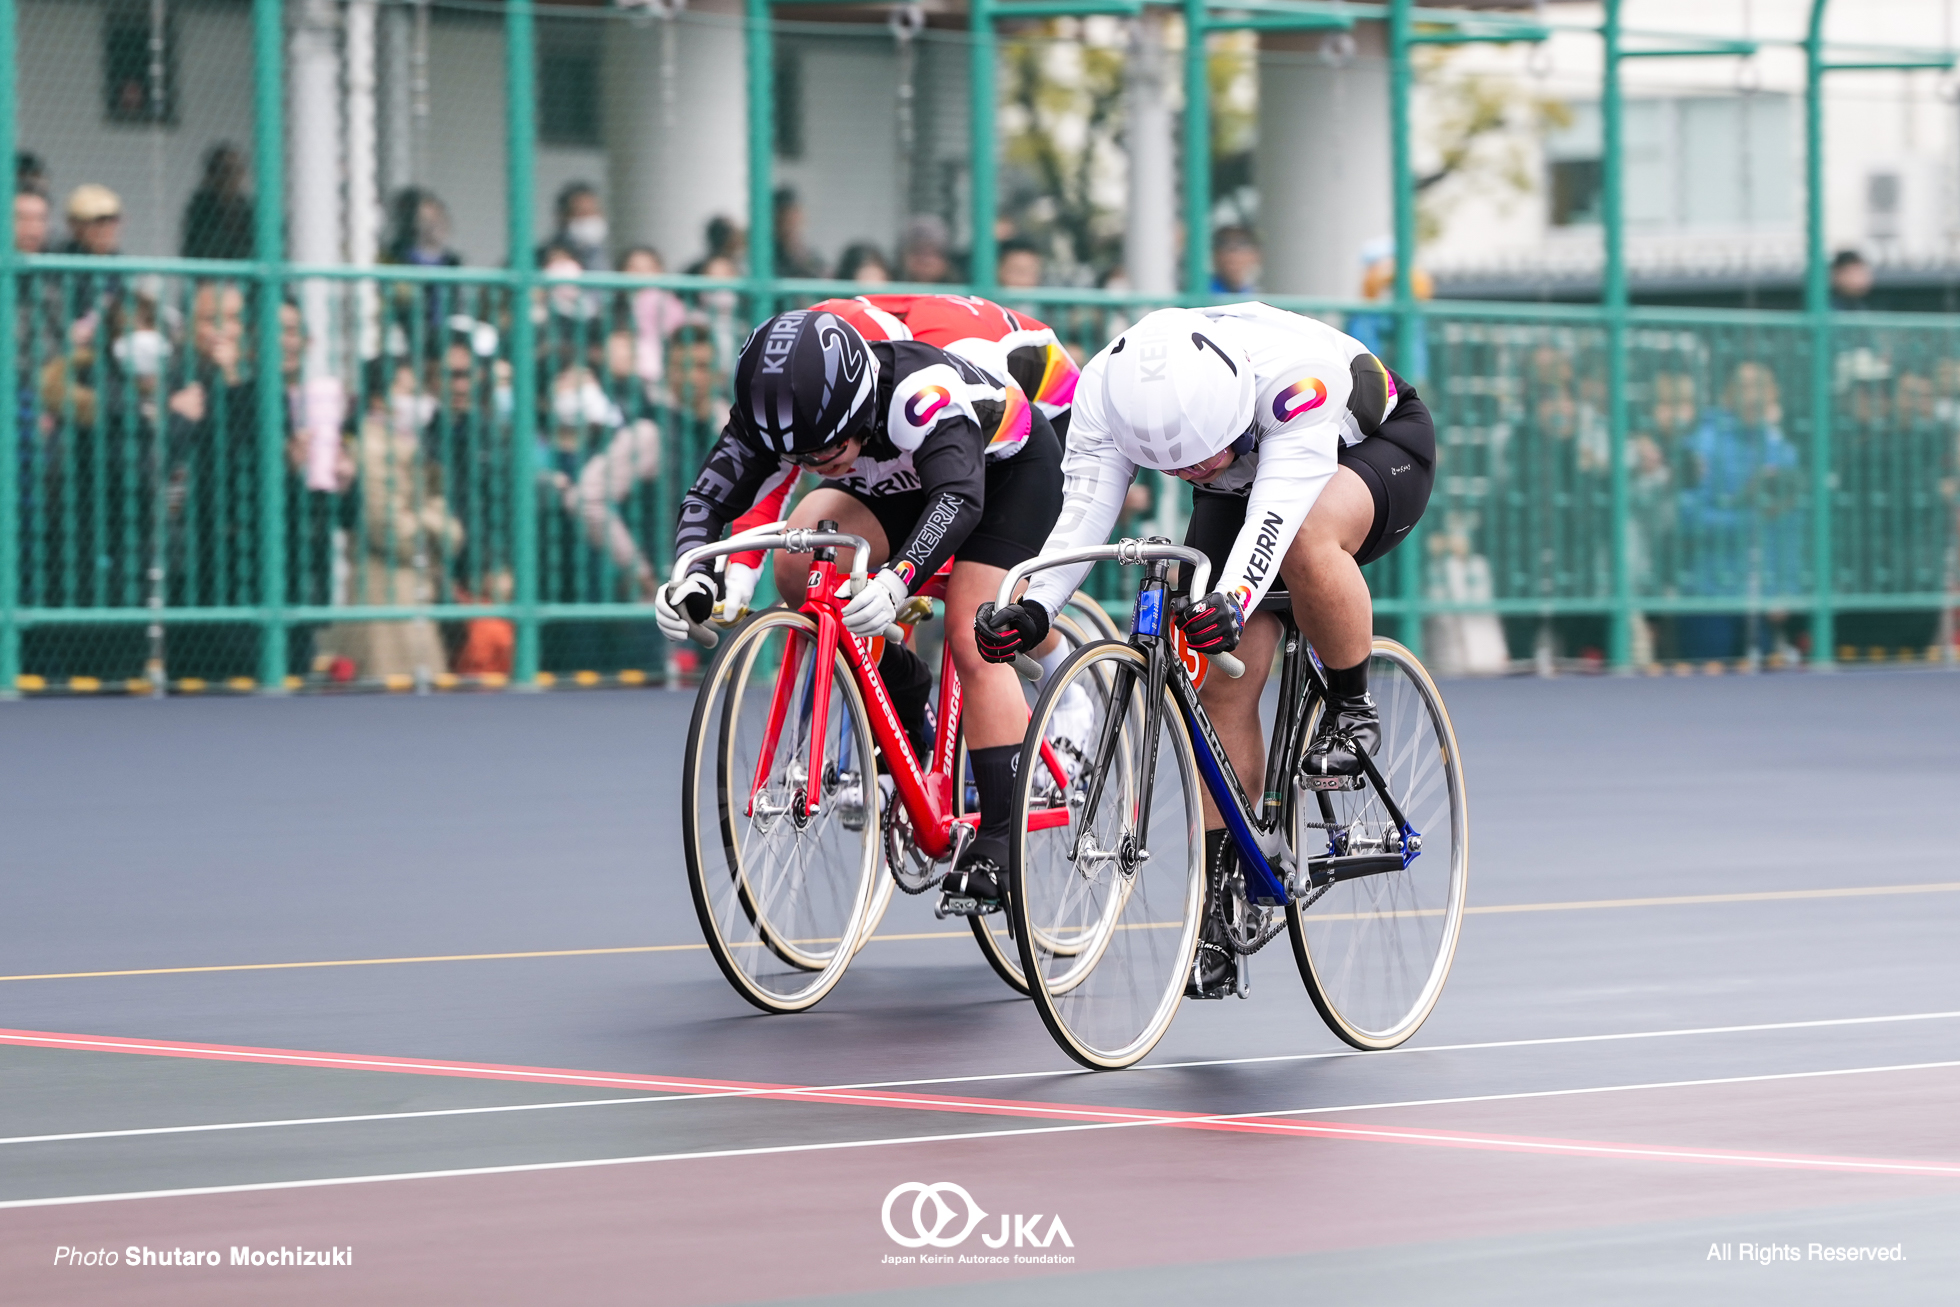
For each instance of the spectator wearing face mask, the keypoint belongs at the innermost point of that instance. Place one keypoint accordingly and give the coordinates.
(582, 228)
(94, 228)
(568, 315)
(649, 316)
(627, 469)
(402, 529)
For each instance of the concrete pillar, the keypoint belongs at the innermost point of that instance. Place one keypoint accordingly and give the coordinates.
(396, 105)
(1150, 230)
(315, 166)
(1322, 164)
(666, 182)
(363, 161)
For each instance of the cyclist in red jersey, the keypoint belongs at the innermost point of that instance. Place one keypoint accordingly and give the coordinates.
(999, 340)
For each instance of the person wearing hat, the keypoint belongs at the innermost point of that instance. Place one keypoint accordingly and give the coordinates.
(94, 220)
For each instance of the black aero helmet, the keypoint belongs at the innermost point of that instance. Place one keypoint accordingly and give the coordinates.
(804, 380)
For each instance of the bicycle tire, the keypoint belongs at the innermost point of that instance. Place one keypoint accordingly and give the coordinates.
(1375, 951)
(1131, 923)
(781, 899)
(990, 931)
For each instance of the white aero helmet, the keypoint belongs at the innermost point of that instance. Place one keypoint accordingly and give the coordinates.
(1177, 388)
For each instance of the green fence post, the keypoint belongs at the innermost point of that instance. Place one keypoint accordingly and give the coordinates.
(269, 235)
(11, 435)
(1614, 289)
(1408, 319)
(984, 169)
(1817, 304)
(520, 117)
(1197, 152)
(762, 156)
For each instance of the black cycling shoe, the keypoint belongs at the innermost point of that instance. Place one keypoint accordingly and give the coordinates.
(1215, 970)
(1348, 729)
(978, 879)
(974, 886)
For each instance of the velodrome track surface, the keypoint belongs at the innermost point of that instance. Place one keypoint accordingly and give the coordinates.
(1709, 995)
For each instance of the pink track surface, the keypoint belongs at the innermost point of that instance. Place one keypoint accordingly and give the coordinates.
(732, 1228)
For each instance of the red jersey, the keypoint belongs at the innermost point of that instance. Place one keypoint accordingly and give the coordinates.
(1013, 346)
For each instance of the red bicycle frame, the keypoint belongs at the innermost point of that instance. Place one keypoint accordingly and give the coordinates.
(928, 796)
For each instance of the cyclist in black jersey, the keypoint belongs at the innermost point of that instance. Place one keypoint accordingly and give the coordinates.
(926, 456)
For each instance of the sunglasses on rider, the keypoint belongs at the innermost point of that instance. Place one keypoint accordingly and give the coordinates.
(816, 456)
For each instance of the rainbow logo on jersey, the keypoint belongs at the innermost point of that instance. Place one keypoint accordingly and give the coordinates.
(920, 408)
(1058, 378)
(1016, 422)
(1300, 397)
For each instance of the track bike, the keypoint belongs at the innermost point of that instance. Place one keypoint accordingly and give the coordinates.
(1367, 874)
(787, 814)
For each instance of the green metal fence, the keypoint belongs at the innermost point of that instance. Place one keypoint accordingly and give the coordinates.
(479, 484)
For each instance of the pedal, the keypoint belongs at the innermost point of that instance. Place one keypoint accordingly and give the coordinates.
(1331, 783)
(963, 905)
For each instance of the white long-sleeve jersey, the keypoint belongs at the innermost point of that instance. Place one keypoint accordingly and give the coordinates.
(1301, 419)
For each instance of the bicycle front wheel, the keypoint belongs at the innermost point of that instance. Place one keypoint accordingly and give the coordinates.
(1105, 896)
(1073, 627)
(1375, 951)
(782, 891)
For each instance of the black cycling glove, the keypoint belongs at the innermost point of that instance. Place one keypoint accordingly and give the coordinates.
(1215, 625)
(1003, 632)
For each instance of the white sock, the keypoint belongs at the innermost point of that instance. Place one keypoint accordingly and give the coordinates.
(1053, 659)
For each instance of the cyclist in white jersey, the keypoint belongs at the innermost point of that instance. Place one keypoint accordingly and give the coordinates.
(1308, 458)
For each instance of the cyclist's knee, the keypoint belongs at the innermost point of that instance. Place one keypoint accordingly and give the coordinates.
(792, 576)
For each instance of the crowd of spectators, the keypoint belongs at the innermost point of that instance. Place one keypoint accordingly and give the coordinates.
(143, 478)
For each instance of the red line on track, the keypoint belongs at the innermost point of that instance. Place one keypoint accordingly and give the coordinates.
(1035, 1109)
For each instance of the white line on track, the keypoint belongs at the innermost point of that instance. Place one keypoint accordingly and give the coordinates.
(818, 1092)
(1122, 1121)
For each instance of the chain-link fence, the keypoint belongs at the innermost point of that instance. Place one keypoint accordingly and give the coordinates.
(438, 443)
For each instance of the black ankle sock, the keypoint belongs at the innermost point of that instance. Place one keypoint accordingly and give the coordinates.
(1348, 684)
(909, 683)
(993, 776)
(1214, 846)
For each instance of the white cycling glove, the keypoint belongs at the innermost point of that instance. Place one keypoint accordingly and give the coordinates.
(671, 603)
(874, 607)
(737, 589)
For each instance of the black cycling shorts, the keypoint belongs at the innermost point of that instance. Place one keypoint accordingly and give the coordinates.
(1024, 497)
(1399, 479)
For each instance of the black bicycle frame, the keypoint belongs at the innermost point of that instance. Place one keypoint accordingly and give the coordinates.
(1257, 838)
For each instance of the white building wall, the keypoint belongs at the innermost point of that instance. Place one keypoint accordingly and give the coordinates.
(154, 169)
(665, 183)
(1888, 121)
(1323, 163)
(848, 178)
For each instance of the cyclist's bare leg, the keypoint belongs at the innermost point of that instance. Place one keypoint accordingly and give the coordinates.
(1233, 707)
(1333, 609)
(1330, 598)
(993, 710)
(827, 505)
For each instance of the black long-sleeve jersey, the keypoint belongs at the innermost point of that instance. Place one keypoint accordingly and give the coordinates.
(937, 421)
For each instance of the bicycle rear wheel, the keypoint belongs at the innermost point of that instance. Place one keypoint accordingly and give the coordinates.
(1064, 730)
(782, 893)
(1375, 951)
(1105, 909)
